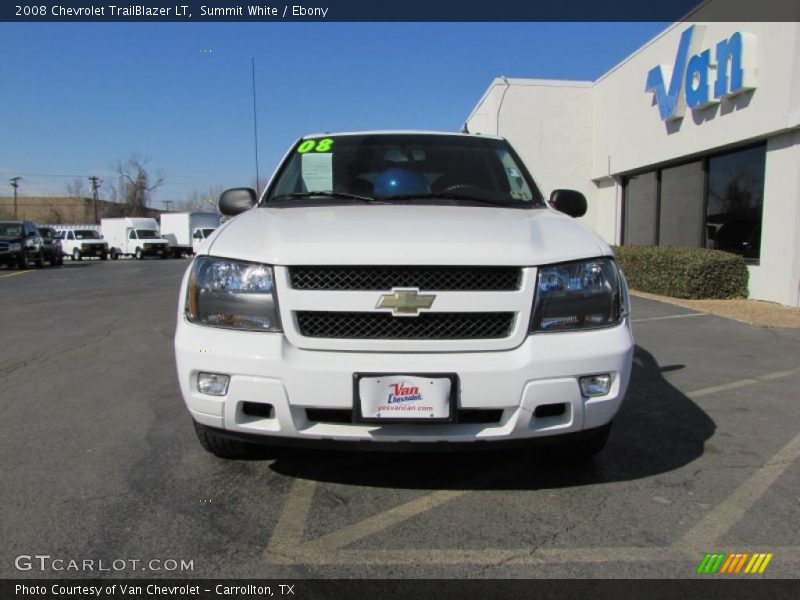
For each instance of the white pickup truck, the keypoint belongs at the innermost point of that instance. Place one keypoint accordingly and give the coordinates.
(403, 290)
(134, 236)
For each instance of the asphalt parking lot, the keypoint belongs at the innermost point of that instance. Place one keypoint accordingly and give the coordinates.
(100, 460)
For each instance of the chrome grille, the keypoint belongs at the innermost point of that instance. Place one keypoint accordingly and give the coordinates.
(383, 326)
(424, 278)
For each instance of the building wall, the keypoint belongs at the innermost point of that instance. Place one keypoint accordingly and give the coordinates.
(589, 136)
(629, 133)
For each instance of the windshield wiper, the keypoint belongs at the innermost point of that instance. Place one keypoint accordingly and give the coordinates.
(339, 195)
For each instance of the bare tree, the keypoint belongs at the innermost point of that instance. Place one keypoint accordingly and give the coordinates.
(137, 184)
(76, 189)
(206, 201)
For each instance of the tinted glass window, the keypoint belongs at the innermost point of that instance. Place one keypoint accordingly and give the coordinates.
(735, 199)
(640, 209)
(681, 212)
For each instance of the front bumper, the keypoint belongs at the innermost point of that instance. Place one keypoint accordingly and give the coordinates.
(7, 258)
(266, 368)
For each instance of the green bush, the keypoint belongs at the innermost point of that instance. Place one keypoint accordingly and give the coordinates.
(693, 273)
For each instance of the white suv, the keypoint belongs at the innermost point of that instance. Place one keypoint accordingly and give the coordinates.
(403, 290)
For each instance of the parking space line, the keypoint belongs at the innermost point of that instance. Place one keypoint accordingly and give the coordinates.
(732, 385)
(646, 319)
(730, 511)
(288, 532)
(383, 520)
(18, 273)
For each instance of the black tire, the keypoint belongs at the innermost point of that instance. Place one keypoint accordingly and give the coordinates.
(114, 255)
(23, 262)
(56, 260)
(221, 446)
(139, 255)
(104, 256)
(589, 447)
(39, 261)
(76, 254)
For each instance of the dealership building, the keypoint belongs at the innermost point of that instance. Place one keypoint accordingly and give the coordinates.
(692, 140)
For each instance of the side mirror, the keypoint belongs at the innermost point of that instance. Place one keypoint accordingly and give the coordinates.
(569, 202)
(237, 200)
(197, 235)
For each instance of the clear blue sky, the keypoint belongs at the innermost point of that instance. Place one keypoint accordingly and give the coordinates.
(77, 98)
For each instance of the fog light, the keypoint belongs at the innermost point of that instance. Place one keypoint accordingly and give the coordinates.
(595, 385)
(213, 383)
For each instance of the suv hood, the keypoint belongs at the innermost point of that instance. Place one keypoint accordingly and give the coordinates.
(404, 234)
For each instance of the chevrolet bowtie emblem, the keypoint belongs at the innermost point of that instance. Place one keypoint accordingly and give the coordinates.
(406, 303)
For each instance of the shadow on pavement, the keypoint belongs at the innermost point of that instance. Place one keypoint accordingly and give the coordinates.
(657, 430)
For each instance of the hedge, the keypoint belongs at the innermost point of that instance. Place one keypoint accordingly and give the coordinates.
(692, 273)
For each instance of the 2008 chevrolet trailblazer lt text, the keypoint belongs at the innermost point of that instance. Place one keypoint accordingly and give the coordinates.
(396, 290)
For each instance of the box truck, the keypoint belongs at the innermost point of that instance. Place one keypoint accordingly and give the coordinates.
(134, 236)
(185, 231)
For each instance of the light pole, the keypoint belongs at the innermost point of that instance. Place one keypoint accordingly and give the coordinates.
(15, 185)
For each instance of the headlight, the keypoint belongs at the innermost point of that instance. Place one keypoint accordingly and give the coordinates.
(14, 247)
(579, 295)
(232, 294)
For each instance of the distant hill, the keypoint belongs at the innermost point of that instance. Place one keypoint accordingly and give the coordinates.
(63, 210)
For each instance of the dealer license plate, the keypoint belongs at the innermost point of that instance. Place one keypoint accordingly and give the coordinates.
(407, 397)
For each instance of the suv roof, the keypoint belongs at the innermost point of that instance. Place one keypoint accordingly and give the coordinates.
(402, 132)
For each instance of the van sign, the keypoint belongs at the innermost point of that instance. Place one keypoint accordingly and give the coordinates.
(690, 77)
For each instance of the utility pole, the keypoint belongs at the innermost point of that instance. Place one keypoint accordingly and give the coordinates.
(96, 181)
(167, 204)
(15, 185)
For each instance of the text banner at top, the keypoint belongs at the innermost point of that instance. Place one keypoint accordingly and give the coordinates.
(399, 11)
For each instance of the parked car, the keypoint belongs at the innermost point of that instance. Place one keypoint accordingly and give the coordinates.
(53, 252)
(80, 243)
(403, 290)
(20, 244)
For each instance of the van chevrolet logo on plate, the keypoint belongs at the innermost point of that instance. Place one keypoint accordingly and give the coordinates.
(406, 303)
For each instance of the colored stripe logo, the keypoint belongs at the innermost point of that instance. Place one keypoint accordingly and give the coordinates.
(735, 562)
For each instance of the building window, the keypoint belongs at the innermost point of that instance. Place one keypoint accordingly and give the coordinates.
(680, 218)
(641, 209)
(735, 199)
(715, 202)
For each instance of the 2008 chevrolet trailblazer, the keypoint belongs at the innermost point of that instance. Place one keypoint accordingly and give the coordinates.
(395, 289)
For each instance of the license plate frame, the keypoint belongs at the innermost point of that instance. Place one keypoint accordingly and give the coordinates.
(358, 416)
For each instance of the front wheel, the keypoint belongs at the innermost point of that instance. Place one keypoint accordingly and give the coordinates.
(39, 262)
(138, 254)
(23, 262)
(221, 446)
(76, 255)
(114, 255)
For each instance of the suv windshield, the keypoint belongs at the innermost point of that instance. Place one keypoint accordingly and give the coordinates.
(10, 230)
(418, 168)
(86, 234)
(146, 234)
